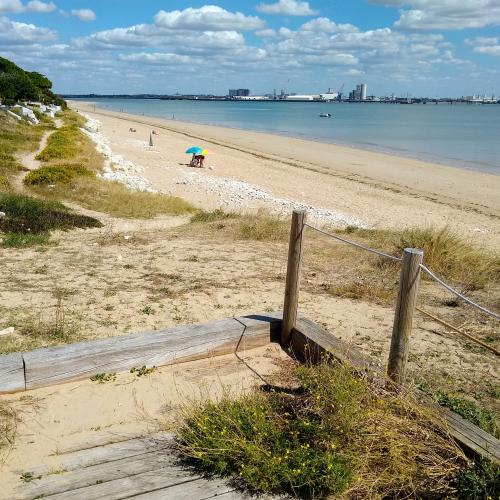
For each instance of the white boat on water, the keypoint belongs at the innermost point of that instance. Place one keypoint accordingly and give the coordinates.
(325, 115)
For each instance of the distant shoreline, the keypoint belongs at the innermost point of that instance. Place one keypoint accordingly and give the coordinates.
(258, 158)
(394, 151)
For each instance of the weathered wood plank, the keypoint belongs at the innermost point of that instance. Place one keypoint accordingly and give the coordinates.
(54, 365)
(311, 342)
(199, 489)
(471, 437)
(88, 476)
(107, 453)
(146, 482)
(12, 373)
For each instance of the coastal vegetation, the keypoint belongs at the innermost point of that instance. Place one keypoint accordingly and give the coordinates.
(18, 85)
(327, 432)
(70, 172)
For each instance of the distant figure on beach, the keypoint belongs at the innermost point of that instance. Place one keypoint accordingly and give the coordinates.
(154, 132)
(197, 161)
(132, 129)
(200, 159)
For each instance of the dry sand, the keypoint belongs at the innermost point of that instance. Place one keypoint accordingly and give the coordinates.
(372, 189)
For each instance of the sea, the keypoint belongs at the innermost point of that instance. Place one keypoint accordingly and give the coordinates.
(460, 135)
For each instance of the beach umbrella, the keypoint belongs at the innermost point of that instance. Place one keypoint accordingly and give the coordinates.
(194, 150)
(151, 140)
(204, 152)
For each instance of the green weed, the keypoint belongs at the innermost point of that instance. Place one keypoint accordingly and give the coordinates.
(102, 378)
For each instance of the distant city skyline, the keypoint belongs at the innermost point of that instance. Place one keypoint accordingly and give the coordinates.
(445, 48)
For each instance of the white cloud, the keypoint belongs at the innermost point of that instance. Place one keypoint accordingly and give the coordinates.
(41, 7)
(445, 14)
(158, 58)
(207, 18)
(84, 14)
(14, 33)
(10, 6)
(287, 8)
(485, 45)
(266, 33)
(16, 7)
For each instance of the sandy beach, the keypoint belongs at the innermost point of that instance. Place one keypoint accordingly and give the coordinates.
(338, 185)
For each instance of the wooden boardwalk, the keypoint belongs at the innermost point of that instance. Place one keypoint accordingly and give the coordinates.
(141, 468)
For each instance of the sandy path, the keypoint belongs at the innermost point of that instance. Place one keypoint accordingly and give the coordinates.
(28, 160)
(358, 186)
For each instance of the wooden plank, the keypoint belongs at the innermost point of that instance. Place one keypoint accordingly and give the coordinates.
(95, 474)
(146, 482)
(311, 342)
(471, 437)
(12, 373)
(54, 365)
(104, 454)
(199, 489)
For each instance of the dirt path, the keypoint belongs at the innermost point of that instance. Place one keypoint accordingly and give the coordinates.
(28, 160)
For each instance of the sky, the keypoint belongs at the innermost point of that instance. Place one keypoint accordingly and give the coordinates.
(416, 47)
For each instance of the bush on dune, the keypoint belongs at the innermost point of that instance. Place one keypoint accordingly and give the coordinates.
(335, 434)
(28, 220)
(56, 174)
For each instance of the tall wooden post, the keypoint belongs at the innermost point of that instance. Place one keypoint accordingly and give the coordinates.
(407, 298)
(295, 250)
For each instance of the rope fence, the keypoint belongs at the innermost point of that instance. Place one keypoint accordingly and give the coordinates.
(357, 245)
(411, 268)
(424, 268)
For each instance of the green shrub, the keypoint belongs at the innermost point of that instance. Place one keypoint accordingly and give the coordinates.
(331, 434)
(28, 215)
(56, 174)
(481, 480)
(486, 419)
(21, 240)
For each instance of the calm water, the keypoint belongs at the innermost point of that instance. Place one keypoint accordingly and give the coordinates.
(461, 135)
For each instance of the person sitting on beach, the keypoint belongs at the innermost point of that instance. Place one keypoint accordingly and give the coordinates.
(200, 159)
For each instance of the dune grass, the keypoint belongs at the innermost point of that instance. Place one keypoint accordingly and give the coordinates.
(444, 252)
(56, 174)
(28, 220)
(262, 226)
(115, 199)
(334, 434)
(15, 137)
(70, 172)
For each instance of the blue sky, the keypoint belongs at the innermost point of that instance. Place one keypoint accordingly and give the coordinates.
(421, 47)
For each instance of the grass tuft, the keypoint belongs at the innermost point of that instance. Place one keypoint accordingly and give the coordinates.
(115, 199)
(263, 227)
(335, 434)
(203, 216)
(444, 252)
(31, 216)
(56, 174)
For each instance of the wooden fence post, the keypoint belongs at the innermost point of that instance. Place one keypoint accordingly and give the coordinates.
(405, 307)
(295, 249)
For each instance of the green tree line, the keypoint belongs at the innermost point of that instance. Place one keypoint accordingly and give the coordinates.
(17, 84)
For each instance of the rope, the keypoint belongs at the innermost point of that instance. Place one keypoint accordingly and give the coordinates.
(447, 325)
(357, 245)
(458, 294)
